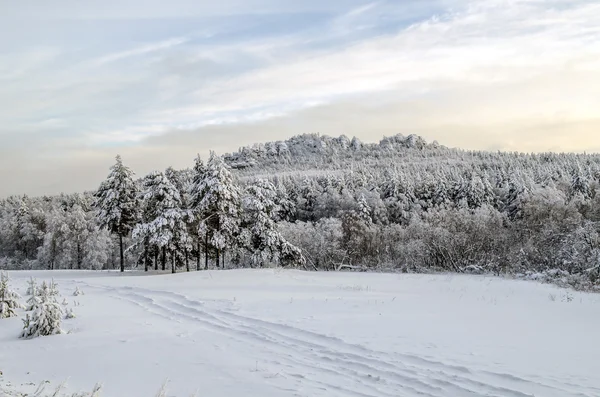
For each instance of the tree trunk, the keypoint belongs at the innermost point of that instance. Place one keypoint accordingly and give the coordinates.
(164, 258)
(121, 252)
(187, 261)
(79, 258)
(155, 258)
(198, 256)
(223, 260)
(173, 262)
(218, 257)
(206, 252)
(146, 260)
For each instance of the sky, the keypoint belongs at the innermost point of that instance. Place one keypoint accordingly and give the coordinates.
(159, 82)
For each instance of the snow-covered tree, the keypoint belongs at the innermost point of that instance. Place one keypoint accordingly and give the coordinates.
(196, 191)
(166, 224)
(287, 207)
(117, 204)
(31, 287)
(78, 292)
(73, 239)
(364, 210)
(47, 315)
(9, 300)
(263, 239)
(216, 204)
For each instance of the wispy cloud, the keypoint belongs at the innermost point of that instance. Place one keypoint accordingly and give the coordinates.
(91, 79)
(141, 50)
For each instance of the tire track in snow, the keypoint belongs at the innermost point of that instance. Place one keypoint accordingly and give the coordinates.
(153, 307)
(457, 379)
(320, 355)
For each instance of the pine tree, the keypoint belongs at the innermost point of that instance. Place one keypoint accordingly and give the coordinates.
(33, 291)
(216, 204)
(287, 207)
(265, 242)
(31, 287)
(166, 225)
(9, 300)
(33, 300)
(196, 193)
(47, 314)
(580, 184)
(183, 240)
(364, 210)
(116, 200)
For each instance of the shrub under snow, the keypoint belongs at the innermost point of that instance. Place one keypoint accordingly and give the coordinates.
(47, 314)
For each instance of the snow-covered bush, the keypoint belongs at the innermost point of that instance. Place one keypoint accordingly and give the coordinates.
(562, 278)
(69, 313)
(47, 314)
(9, 300)
(78, 292)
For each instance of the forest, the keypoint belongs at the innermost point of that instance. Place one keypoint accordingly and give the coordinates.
(322, 203)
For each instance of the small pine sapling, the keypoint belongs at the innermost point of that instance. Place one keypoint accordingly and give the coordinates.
(78, 292)
(9, 300)
(33, 300)
(31, 287)
(53, 290)
(47, 314)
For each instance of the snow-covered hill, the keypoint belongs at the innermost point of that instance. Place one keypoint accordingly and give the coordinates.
(291, 333)
(310, 151)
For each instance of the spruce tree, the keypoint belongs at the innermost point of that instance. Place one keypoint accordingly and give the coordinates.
(116, 200)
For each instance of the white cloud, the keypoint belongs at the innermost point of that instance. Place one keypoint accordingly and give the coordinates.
(490, 44)
(141, 50)
(481, 74)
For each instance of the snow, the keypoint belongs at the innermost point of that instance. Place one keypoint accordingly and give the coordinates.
(278, 333)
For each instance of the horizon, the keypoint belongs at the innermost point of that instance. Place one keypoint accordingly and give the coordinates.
(189, 164)
(158, 83)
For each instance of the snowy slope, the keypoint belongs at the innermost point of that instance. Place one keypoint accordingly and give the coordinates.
(289, 333)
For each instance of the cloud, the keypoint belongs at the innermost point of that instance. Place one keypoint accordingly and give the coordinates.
(142, 50)
(152, 9)
(487, 44)
(162, 81)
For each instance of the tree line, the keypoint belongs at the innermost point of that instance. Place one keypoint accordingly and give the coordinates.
(326, 203)
(168, 219)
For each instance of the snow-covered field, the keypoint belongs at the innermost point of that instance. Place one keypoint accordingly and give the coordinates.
(288, 333)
